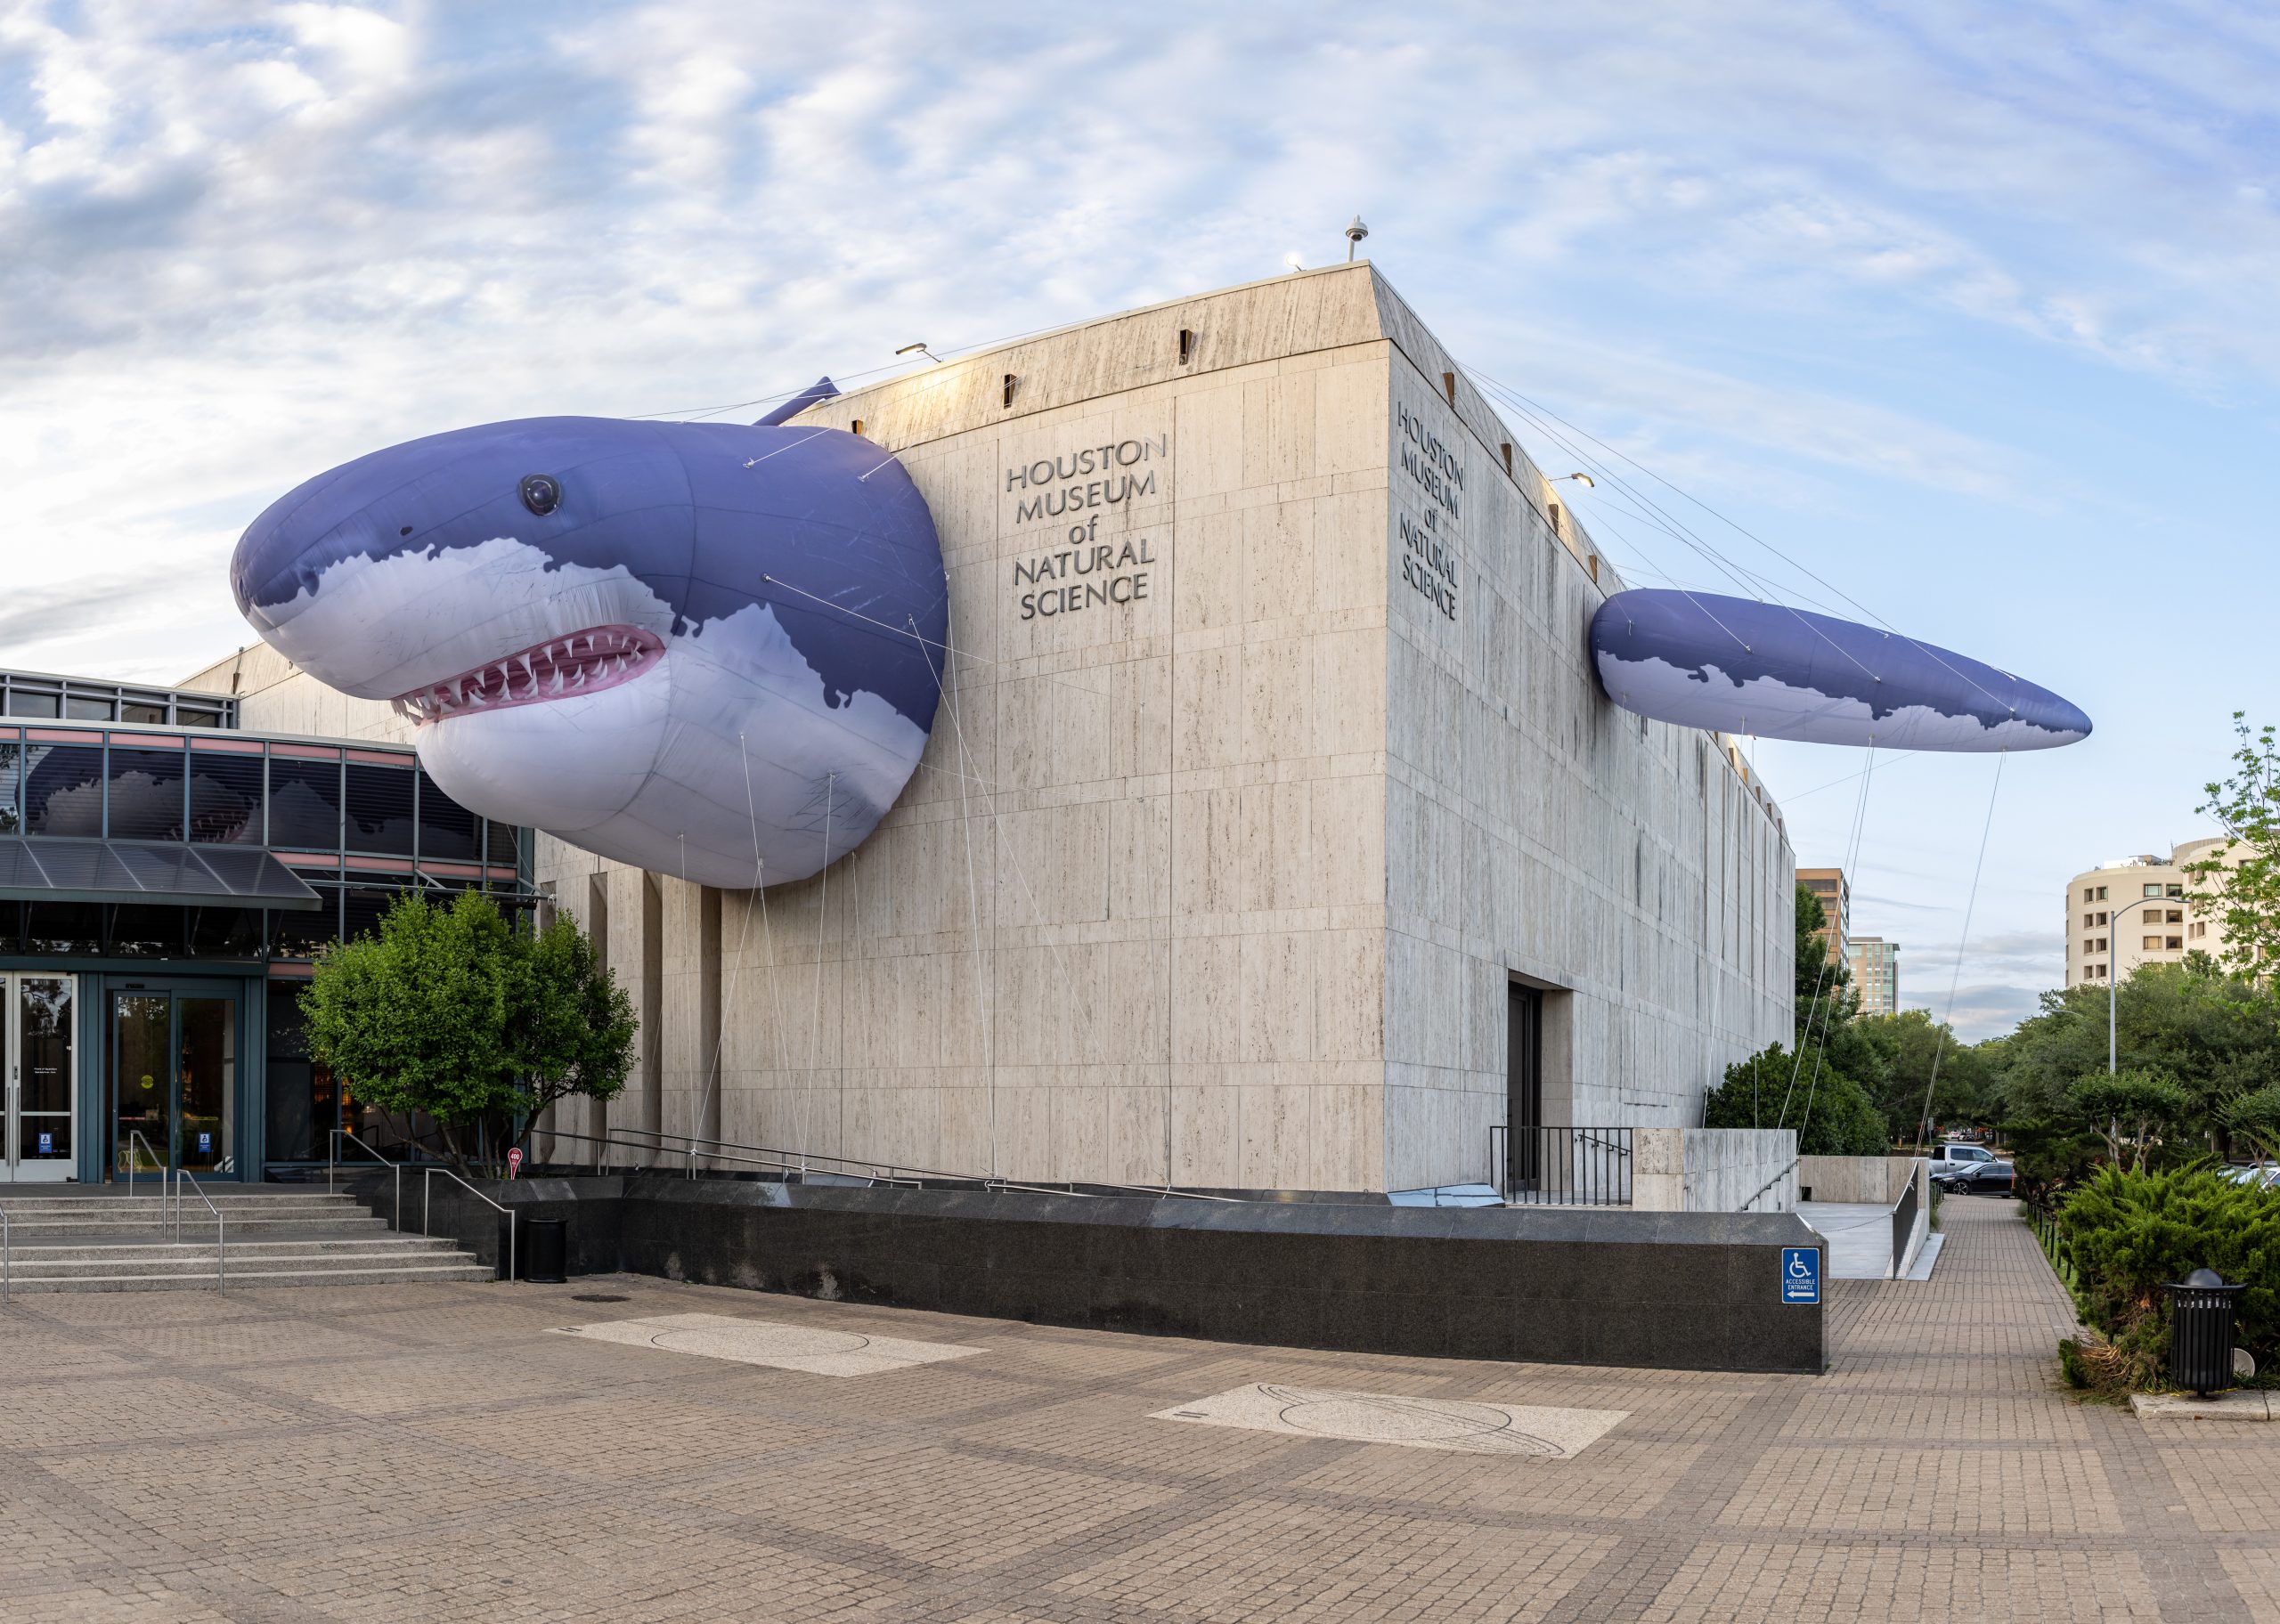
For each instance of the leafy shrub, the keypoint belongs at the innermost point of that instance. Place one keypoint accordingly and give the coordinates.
(2129, 1233)
(1833, 1115)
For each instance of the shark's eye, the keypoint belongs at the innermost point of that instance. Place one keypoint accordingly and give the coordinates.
(541, 494)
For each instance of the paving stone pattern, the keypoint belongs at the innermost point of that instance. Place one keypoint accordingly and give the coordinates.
(432, 1452)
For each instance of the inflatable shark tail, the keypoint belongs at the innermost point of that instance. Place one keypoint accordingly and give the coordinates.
(814, 395)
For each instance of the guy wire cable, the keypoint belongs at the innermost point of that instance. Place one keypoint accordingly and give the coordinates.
(1939, 1046)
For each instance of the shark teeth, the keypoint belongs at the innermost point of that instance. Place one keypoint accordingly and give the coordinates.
(581, 663)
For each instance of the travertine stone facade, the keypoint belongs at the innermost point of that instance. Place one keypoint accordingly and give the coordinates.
(1270, 755)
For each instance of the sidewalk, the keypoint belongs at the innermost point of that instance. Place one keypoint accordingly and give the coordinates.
(443, 1452)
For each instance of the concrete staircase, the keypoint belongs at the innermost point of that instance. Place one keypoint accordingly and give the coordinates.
(101, 1240)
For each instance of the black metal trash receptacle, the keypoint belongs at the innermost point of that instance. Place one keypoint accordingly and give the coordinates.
(546, 1251)
(2200, 1332)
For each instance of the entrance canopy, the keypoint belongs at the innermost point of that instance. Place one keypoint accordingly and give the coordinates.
(52, 870)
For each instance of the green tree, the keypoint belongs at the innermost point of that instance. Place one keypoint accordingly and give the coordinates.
(1908, 1045)
(1832, 1114)
(2239, 882)
(453, 1013)
(2253, 1119)
(2126, 1108)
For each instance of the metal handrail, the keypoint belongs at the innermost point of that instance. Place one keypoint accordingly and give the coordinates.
(331, 1160)
(884, 1172)
(427, 1184)
(1769, 1184)
(133, 1138)
(221, 1227)
(7, 1263)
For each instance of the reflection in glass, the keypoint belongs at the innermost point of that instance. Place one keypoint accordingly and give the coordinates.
(21, 704)
(448, 831)
(81, 707)
(304, 1103)
(379, 804)
(304, 804)
(140, 1068)
(362, 909)
(226, 799)
(185, 717)
(297, 933)
(147, 711)
(145, 930)
(11, 783)
(63, 927)
(63, 789)
(210, 1084)
(145, 794)
(224, 933)
(44, 1063)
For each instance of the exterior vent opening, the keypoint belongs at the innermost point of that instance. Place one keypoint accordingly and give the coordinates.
(1009, 388)
(1449, 385)
(1186, 346)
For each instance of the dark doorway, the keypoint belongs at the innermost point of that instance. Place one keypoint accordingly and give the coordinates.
(1523, 1086)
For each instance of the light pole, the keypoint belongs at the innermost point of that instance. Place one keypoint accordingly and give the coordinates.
(2113, 920)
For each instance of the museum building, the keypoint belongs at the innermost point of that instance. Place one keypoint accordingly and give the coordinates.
(1273, 832)
(166, 875)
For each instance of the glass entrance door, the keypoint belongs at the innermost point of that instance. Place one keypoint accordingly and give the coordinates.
(173, 1080)
(42, 1112)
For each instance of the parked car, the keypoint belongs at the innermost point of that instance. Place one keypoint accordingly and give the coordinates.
(1952, 1155)
(1975, 1177)
(2258, 1175)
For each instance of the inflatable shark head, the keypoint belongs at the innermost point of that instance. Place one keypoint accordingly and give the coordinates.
(708, 649)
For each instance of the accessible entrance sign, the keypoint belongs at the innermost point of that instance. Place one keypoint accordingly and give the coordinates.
(1801, 1274)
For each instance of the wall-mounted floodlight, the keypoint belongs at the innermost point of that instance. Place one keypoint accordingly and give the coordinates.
(1355, 233)
(919, 349)
(1589, 482)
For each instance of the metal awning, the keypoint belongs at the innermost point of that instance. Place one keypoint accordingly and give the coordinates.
(45, 870)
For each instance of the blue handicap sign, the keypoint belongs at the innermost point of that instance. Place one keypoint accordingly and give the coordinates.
(1801, 1274)
(205, 1144)
(47, 1144)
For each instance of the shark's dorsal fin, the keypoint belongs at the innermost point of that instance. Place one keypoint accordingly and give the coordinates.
(814, 395)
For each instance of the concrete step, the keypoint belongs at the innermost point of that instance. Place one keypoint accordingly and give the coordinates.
(280, 1274)
(52, 1255)
(238, 1223)
(150, 1190)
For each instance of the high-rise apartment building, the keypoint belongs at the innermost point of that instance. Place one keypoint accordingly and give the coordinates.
(2137, 910)
(1837, 901)
(1875, 964)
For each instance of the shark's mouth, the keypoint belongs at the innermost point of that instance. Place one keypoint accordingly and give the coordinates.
(562, 667)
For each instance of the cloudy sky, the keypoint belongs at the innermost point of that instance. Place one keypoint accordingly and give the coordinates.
(1962, 311)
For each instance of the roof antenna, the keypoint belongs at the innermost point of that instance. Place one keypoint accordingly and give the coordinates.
(1354, 235)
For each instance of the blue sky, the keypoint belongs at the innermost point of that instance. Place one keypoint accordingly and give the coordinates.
(1969, 310)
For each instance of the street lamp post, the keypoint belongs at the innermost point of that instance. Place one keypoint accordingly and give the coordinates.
(2112, 980)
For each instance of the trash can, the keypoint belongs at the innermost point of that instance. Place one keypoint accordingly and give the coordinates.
(2200, 1332)
(546, 1249)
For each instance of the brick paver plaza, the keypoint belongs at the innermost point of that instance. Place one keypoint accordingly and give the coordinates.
(436, 1452)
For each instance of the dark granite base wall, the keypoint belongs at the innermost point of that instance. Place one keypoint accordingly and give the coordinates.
(1660, 1290)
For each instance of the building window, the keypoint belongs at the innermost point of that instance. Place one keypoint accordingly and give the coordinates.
(63, 789)
(378, 804)
(2101, 895)
(2174, 890)
(2152, 944)
(2177, 917)
(226, 799)
(2153, 890)
(2101, 944)
(145, 794)
(2099, 920)
(2176, 942)
(304, 803)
